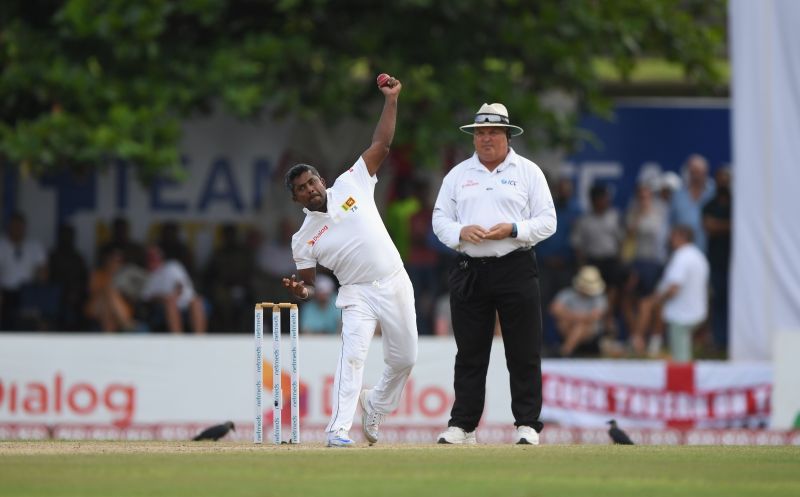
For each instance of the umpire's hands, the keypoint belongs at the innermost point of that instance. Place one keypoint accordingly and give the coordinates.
(499, 231)
(473, 233)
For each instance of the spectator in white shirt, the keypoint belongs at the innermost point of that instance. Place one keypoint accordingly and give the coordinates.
(683, 292)
(21, 260)
(169, 287)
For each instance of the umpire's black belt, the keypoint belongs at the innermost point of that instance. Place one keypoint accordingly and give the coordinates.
(464, 260)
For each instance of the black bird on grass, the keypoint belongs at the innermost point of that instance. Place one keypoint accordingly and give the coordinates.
(215, 432)
(617, 435)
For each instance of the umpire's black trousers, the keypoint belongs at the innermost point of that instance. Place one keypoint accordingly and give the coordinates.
(509, 285)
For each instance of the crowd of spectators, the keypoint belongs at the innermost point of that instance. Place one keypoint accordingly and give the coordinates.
(601, 274)
(641, 255)
(140, 286)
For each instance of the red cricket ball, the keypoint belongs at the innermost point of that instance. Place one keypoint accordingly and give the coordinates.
(383, 80)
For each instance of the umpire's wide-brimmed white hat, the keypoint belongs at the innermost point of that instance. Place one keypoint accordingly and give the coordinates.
(492, 115)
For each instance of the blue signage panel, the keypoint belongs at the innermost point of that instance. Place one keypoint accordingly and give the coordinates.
(650, 136)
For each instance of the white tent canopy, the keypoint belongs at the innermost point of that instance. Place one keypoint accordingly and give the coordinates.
(765, 279)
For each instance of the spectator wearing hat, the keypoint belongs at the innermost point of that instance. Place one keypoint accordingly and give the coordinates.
(321, 316)
(578, 310)
(492, 209)
(666, 186)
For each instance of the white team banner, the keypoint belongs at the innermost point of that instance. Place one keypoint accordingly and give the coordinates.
(162, 382)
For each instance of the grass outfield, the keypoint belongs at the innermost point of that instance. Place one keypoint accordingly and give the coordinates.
(232, 469)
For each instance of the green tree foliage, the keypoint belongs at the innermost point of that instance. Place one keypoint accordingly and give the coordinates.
(87, 80)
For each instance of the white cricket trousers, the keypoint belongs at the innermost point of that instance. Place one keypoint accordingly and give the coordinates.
(390, 303)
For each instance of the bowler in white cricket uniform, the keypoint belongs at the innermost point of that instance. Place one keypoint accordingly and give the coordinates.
(343, 232)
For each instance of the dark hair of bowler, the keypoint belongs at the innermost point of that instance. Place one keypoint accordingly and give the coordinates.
(296, 171)
(685, 231)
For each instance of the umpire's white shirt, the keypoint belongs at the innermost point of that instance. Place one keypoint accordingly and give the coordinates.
(350, 239)
(515, 192)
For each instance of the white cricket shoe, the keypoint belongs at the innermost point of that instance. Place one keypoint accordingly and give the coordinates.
(456, 435)
(339, 439)
(527, 436)
(370, 419)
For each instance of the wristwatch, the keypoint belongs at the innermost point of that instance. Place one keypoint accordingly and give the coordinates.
(513, 230)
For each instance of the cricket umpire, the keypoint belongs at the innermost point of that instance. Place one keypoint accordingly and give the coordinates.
(493, 208)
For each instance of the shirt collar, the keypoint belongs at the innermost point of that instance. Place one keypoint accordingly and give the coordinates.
(512, 159)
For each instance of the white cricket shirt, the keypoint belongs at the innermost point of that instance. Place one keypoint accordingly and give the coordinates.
(687, 268)
(168, 279)
(515, 192)
(18, 265)
(350, 239)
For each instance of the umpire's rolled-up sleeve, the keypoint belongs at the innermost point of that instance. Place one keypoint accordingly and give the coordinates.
(445, 219)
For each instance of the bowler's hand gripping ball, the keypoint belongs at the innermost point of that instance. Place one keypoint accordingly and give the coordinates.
(383, 80)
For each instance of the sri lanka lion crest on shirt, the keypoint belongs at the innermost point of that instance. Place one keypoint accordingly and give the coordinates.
(349, 204)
